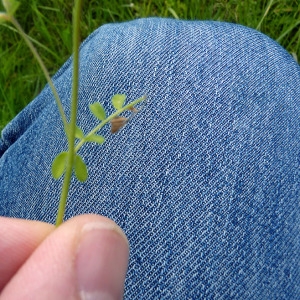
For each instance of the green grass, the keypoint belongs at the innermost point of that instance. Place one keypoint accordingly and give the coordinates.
(48, 22)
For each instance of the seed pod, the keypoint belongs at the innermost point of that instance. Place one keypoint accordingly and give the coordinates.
(117, 123)
(133, 109)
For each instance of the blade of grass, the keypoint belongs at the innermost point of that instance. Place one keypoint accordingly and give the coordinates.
(271, 2)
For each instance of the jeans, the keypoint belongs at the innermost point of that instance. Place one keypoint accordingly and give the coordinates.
(204, 180)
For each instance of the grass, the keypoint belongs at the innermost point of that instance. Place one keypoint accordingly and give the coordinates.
(48, 22)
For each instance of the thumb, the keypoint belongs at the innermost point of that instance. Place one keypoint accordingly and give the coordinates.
(85, 258)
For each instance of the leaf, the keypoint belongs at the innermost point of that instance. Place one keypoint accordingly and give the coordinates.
(118, 101)
(10, 6)
(79, 133)
(98, 111)
(59, 165)
(80, 169)
(99, 139)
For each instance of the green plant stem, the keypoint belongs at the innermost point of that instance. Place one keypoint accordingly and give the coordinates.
(115, 114)
(71, 135)
(44, 69)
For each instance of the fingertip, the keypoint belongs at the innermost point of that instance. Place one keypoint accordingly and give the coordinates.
(97, 222)
(102, 260)
(85, 257)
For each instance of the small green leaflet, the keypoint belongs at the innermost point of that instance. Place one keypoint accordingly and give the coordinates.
(80, 169)
(118, 101)
(59, 165)
(98, 111)
(99, 139)
(79, 133)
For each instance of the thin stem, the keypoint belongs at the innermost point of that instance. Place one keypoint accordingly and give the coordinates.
(265, 13)
(115, 114)
(74, 102)
(63, 197)
(44, 69)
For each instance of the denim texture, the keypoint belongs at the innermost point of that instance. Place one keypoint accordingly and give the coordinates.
(204, 180)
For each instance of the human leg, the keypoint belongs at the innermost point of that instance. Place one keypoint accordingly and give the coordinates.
(204, 180)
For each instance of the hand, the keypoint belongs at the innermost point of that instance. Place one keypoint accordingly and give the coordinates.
(84, 258)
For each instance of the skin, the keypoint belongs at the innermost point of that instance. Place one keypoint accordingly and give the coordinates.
(84, 258)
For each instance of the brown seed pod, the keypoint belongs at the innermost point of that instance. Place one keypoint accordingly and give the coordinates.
(117, 123)
(133, 109)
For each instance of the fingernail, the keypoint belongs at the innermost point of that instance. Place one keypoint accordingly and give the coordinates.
(101, 262)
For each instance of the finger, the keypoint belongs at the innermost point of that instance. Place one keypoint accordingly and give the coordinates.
(85, 258)
(18, 239)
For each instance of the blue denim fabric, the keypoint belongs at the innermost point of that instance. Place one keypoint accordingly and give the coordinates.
(205, 180)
